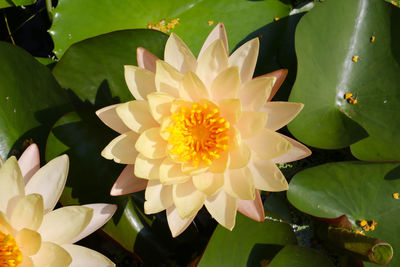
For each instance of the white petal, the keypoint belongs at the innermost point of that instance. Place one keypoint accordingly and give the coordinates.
(176, 224)
(84, 257)
(151, 145)
(146, 59)
(222, 208)
(158, 197)
(281, 113)
(239, 183)
(267, 175)
(251, 123)
(192, 88)
(226, 84)
(208, 183)
(29, 162)
(122, 148)
(280, 76)
(140, 82)
(147, 168)
(245, 57)
(254, 209)
(254, 93)
(160, 105)
(231, 110)
(109, 117)
(128, 183)
(167, 78)
(217, 33)
(268, 144)
(298, 151)
(178, 55)
(240, 157)
(51, 255)
(171, 172)
(136, 115)
(28, 213)
(188, 200)
(28, 241)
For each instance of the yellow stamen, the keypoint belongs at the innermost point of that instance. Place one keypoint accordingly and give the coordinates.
(276, 19)
(348, 95)
(10, 255)
(395, 195)
(363, 223)
(354, 58)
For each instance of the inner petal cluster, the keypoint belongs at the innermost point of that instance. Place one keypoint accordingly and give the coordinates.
(10, 254)
(198, 134)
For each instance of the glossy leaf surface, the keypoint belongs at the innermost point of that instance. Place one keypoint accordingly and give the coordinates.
(298, 256)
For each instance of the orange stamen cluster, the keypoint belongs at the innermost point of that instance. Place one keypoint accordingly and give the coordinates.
(197, 133)
(10, 255)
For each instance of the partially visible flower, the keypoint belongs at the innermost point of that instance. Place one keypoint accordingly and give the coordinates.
(31, 232)
(201, 132)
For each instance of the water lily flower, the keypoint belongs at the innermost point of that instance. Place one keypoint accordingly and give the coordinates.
(31, 232)
(201, 132)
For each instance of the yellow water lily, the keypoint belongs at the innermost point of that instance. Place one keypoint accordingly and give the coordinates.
(31, 232)
(201, 132)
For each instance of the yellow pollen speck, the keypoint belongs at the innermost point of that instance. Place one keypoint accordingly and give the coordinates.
(10, 255)
(163, 26)
(360, 232)
(348, 95)
(276, 19)
(372, 39)
(352, 101)
(363, 223)
(395, 195)
(354, 58)
(210, 22)
(394, 3)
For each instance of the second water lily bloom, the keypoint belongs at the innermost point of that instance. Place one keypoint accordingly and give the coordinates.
(201, 132)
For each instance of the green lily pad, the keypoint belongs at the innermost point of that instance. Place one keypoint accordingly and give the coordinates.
(358, 190)
(96, 66)
(12, 3)
(74, 20)
(248, 244)
(30, 100)
(327, 39)
(298, 256)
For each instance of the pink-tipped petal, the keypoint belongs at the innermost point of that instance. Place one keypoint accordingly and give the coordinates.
(253, 209)
(29, 162)
(128, 183)
(109, 117)
(298, 151)
(217, 33)
(146, 59)
(176, 224)
(101, 214)
(280, 76)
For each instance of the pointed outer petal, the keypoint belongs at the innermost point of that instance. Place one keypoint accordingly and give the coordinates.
(158, 197)
(52, 255)
(171, 172)
(29, 162)
(5, 226)
(245, 57)
(241, 157)
(128, 183)
(64, 224)
(85, 257)
(280, 113)
(151, 145)
(254, 209)
(221, 164)
(251, 123)
(298, 151)
(239, 183)
(28, 241)
(268, 144)
(178, 55)
(145, 59)
(140, 82)
(167, 78)
(147, 168)
(222, 208)
(176, 224)
(192, 88)
(226, 84)
(26, 262)
(280, 76)
(217, 33)
(109, 117)
(187, 199)
(166, 122)
(28, 213)
(212, 62)
(160, 105)
(190, 170)
(208, 183)
(231, 110)
(254, 93)
(11, 185)
(122, 148)
(136, 115)
(267, 175)
(234, 139)
(101, 214)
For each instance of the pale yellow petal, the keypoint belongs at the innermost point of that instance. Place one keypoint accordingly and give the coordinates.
(245, 57)
(26, 262)
(122, 148)
(280, 76)
(151, 145)
(240, 157)
(226, 84)
(187, 199)
(221, 164)
(231, 110)
(254, 209)
(171, 172)
(189, 169)
(5, 226)
(268, 144)
(267, 175)
(11, 185)
(212, 62)
(29, 162)
(254, 93)
(217, 33)
(128, 183)
(147, 168)
(109, 117)
(160, 105)
(251, 123)
(298, 151)
(178, 55)
(140, 82)
(176, 224)
(167, 78)
(192, 88)
(64, 224)
(280, 113)
(85, 257)
(239, 183)
(28, 213)
(209, 183)
(51, 255)
(136, 115)
(158, 197)
(28, 241)
(146, 59)
(222, 208)
(234, 138)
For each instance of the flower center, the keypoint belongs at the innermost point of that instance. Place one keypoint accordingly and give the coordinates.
(10, 255)
(198, 133)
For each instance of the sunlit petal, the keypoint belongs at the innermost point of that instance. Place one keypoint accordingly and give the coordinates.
(231, 110)
(239, 183)
(140, 81)
(251, 123)
(188, 200)
(268, 144)
(109, 117)
(160, 105)
(136, 115)
(280, 113)
(51, 255)
(146, 59)
(167, 78)
(171, 172)
(158, 197)
(128, 182)
(245, 57)
(151, 145)
(298, 151)
(217, 33)
(28, 213)
(29, 162)
(222, 208)
(208, 183)
(226, 84)
(254, 93)
(84, 257)
(176, 224)
(192, 88)
(122, 148)
(254, 209)
(267, 175)
(28, 241)
(178, 55)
